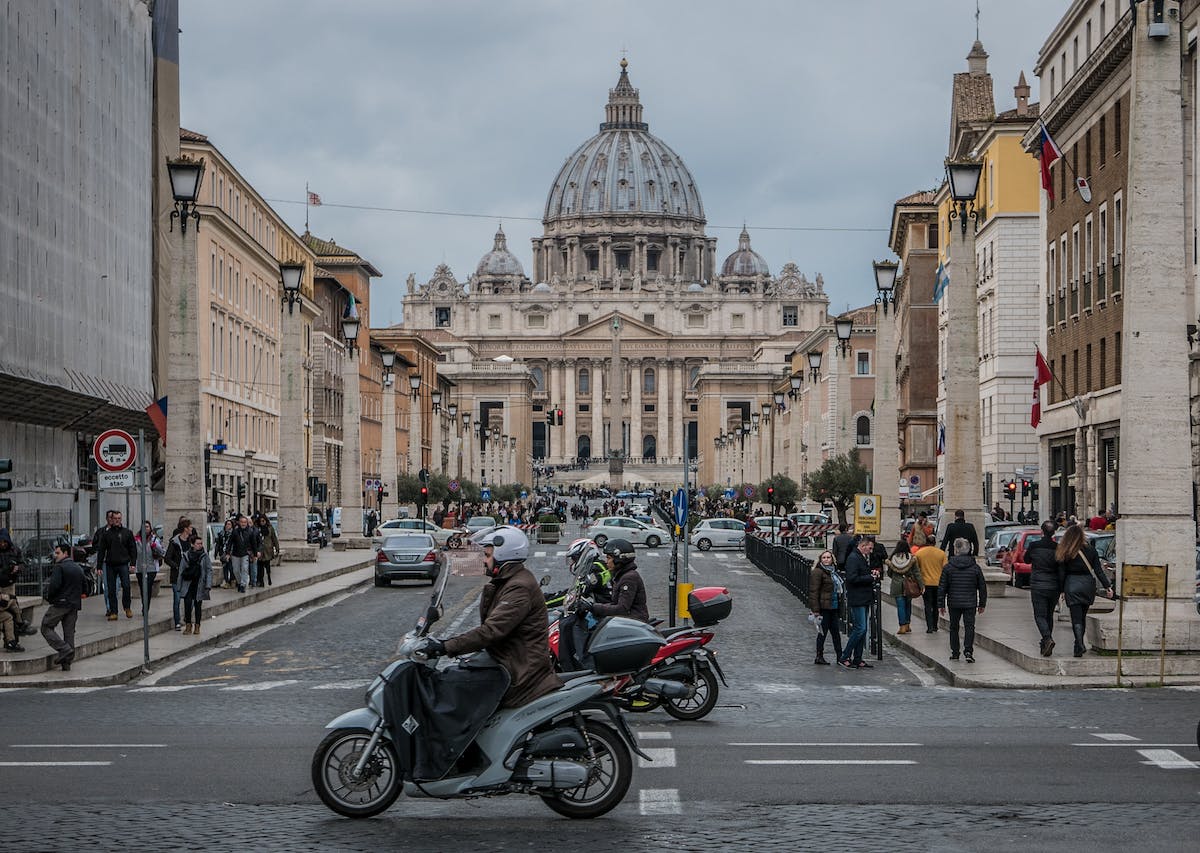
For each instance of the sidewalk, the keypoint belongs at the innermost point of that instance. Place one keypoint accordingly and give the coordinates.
(1007, 655)
(112, 652)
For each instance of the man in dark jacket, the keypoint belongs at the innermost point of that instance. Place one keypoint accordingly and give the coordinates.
(843, 545)
(960, 529)
(1045, 585)
(860, 583)
(628, 590)
(10, 567)
(115, 551)
(964, 589)
(513, 625)
(64, 592)
(243, 546)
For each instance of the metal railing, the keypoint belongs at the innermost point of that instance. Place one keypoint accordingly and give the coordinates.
(35, 533)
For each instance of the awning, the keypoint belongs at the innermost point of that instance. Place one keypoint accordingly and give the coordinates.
(73, 401)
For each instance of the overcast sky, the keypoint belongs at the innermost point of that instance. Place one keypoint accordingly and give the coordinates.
(791, 115)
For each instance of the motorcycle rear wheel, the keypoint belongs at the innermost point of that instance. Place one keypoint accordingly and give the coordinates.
(332, 766)
(608, 779)
(699, 705)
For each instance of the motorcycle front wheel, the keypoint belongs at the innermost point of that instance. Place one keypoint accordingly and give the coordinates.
(333, 774)
(698, 706)
(609, 775)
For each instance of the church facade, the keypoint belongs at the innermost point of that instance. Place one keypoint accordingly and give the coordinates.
(627, 347)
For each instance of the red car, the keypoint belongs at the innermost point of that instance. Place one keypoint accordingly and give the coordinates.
(1014, 563)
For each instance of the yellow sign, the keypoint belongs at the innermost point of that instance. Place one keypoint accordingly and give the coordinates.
(1143, 581)
(681, 600)
(866, 515)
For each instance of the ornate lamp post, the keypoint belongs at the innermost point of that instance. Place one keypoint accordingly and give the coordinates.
(387, 459)
(414, 423)
(293, 504)
(352, 482)
(886, 458)
(844, 328)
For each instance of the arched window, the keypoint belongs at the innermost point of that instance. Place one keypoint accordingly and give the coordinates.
(649, 448)
(539, 378)
(585, 381)
(583, 447)
(648, 380)
(863, 429)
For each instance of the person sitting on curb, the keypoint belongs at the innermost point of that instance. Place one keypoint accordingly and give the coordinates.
(10, 607)
(963, 589)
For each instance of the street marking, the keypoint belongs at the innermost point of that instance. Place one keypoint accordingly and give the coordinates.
(87, 746)
(778, 688)
(659, 801)
(1167, 759)
(1114, 736)
(721, 556)
(539, 553)
(560, 553)
(654, 735)
(821, 743)
(744, 572)
(166, 688)
(342, 685)
(262, 685)
(1138, 744)
(243, 660)
(824, 761)
(1189, 688)
(862, 688)
(78, 689)
(55, 763)
(660, 757)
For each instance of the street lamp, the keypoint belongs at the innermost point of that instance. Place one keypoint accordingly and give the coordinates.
(796, 381)
(350, 326)
(452, 411)
(963, 177)
(186, 176)
(779, 395)
(436, 398)
(885, 284)
(414, 383)
(814, 365)
(291, 272)
(389, 361)
(844, 327)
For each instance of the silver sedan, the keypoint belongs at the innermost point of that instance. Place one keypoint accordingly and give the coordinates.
(404, 556)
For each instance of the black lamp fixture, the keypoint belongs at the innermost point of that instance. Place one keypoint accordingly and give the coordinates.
(963, 177)
(186, 176)
(512, 442)
(466, 418)
(436, 398)
(389, 361)
(766, 412)
(814, 365)
(414, 384)
(754, 419)
(291, 272)
(452, 411)
(844, 327)
(779, 398)
(350, 326)
(885, 283)
(796, 381)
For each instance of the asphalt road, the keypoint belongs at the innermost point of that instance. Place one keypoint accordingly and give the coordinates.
(214, 752)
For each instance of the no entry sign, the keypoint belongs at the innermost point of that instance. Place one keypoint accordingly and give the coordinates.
(114, 450)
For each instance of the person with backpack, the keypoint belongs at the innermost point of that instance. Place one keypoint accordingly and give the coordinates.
(195, 580)
(176, 548)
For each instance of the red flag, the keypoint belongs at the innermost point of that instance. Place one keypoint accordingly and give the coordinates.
(1041, 375)
(1050, 153)
(314, 199)
(158, 416)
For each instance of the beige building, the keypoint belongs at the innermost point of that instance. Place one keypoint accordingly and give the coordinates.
(628, 323)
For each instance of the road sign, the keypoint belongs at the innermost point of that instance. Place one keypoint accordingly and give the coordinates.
(914, 480)
(485, 494)
(748, 491)
(904, 490)
(1143, 581)
(372, 484)
(729, 493)
(679, 501)
(114, 450)
(866, 515)
(524, 494)
(452, 485)
(114, 480)
(423, 475)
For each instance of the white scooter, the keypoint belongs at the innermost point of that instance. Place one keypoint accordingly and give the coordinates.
(571, 747)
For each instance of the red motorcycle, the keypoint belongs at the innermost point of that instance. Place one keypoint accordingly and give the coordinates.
(685, 658)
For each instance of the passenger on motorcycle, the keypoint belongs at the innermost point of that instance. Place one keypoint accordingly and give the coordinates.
(513, 626)
(593, 581)
(628, 591)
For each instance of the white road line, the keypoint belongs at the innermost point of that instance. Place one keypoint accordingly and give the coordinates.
(659, 757)
(924, 677)
(539, 553)
(342, 685)
(823, 761)
(560, 553)
(1167, 759)
(55, 763)
(78, 689)
(262, 685)
(658, 801)
(1138, 744)
(1114, 736)
(744, 572)
(87, 746)
(165, 688)
(721, 556)
(472, 608)
(863, 688)
(1190, 688)
(654, 735)
(822, 743)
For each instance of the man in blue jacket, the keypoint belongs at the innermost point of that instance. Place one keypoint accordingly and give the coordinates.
(860, 583)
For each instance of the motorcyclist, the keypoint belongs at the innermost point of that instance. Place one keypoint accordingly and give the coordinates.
(629, 593)
(513, 625)
(594, 581)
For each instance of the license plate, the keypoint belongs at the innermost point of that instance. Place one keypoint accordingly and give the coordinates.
(404, 558)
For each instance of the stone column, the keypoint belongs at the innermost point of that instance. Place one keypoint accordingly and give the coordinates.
(414, 430)
(185, 445)
(293, 489)
(662, 375)
(1155, 488)
(599, 446)
(963, 462)
(554, 389)
(352, 481)
(886, 468)
(616, 419)
(680, 397)
(635, 408)
(387, 459)
(570, 380)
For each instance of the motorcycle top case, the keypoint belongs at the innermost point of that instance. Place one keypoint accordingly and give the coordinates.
(709, 605)
(619, 644)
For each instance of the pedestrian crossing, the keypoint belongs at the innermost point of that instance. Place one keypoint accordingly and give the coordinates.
(1160, 755)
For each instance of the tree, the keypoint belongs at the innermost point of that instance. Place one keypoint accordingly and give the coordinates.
(408, 487)
(786, 489)
(838, 480)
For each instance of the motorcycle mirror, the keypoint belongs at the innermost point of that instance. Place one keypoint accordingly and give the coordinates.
(433, 614)
(545, 581)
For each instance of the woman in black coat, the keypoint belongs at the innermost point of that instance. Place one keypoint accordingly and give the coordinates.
(1079, 571)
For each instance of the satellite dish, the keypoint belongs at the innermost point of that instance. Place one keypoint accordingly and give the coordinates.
(503, 359)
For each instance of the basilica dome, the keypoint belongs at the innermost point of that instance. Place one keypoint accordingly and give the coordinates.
(624, 169)
(499, 261)
(745, 261)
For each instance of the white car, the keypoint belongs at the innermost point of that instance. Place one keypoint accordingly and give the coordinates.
(441, 535)
(718, 533)
(630, 529)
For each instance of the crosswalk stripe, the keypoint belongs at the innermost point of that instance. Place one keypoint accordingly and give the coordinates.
(78, 689)
(1168, 759)
(659, 801)
(821, 743)
(166, 688)
(55, 763)
(826, 761)
(660, 757)
(654, 735)
(342, 685)
(1114, 736)
(535, 553)
(260, 685)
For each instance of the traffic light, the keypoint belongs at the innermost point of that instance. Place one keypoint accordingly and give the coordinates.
(241, 490)
(558, 417)
(1024, 488)
(1010, 489)
(5, 485)
(423, 496)
(1033, 490)
(771, 495)
(549, 417)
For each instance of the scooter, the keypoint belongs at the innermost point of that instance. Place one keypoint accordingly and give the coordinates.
(571, 747)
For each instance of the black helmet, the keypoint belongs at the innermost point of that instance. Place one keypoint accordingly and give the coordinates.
(620, 550)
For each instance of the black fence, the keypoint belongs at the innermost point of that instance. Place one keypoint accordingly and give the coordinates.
(792, 570)
(35, 533)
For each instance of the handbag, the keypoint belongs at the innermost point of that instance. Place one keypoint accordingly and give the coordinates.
(911, 588)
(1096, 575)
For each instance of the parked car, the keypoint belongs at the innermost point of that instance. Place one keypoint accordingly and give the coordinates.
(1013, 563)
(649, 519)
(404, 556)
(634, 531)
(718, 533)
(797, 519)
(441, 535)
(477, 523)
(998, 544)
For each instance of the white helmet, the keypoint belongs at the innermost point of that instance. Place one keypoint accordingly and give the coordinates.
(580, 554)
(509, 543)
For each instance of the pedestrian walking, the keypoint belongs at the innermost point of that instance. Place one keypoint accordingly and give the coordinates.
(149, 555)
(116, 551)
(964, 590)
(960, 528)
(173, 557)
(221, 549)
(906, 583)
(242, 547)
(825, 593)
(920, 532)
(843, 545)
(1045, 584)
(1080, 571)
(269, 550)
(860, 583)
(64, 593)
(195, 579)
(931, 560)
